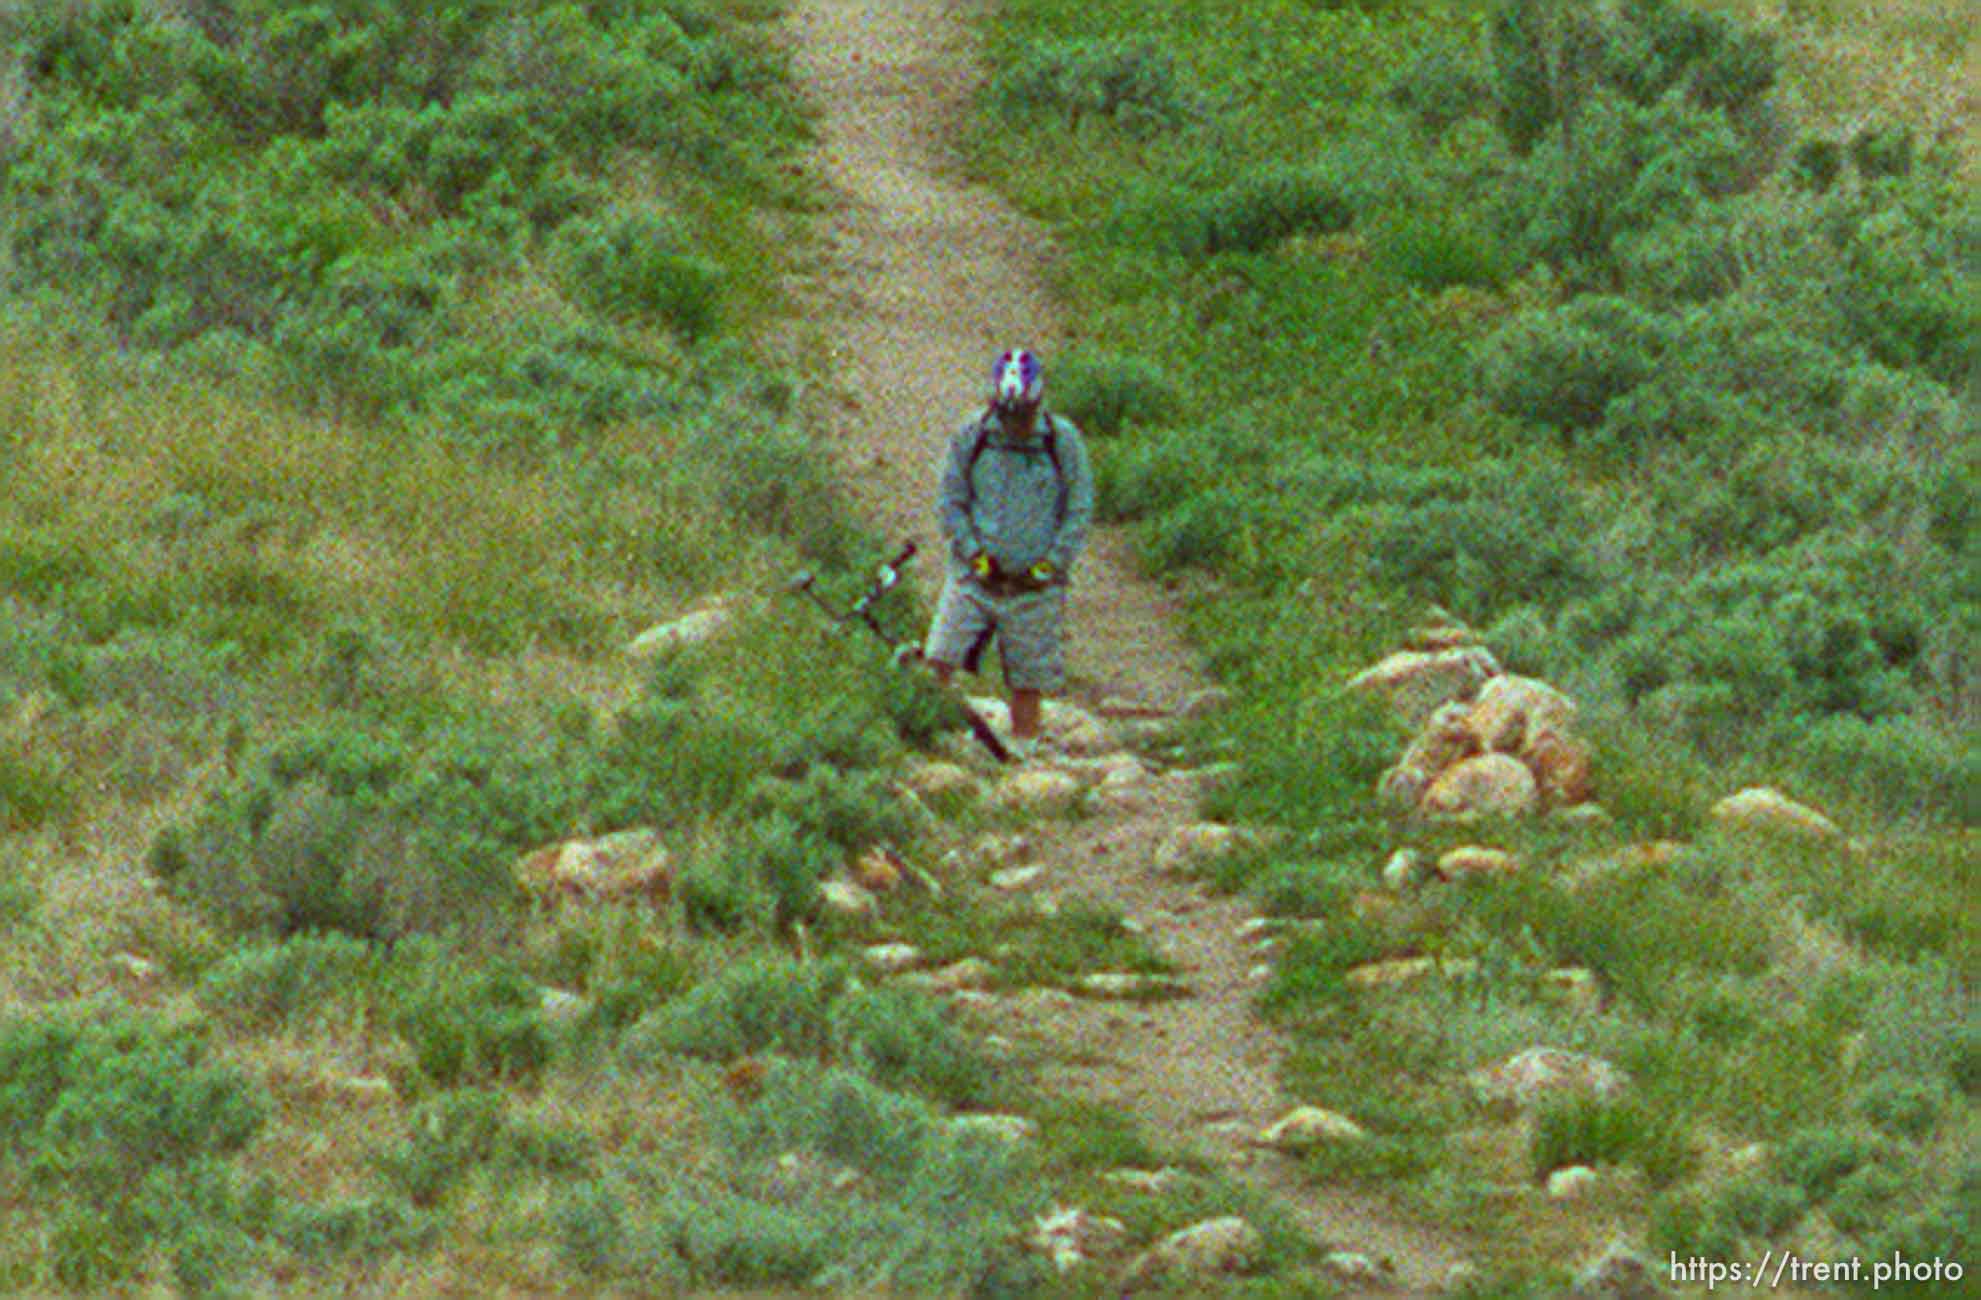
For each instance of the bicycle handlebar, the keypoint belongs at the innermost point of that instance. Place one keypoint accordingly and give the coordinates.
(890, 573)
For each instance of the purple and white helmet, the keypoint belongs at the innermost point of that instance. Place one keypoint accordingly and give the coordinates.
(1017, 381)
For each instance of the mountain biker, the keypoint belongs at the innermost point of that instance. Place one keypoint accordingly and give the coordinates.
(1015, 505)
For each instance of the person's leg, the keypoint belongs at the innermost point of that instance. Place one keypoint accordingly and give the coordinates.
(1025, 707)
(959, 625)
(1033, 628)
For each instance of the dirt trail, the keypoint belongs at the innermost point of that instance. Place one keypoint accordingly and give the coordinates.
(921, 278)
(924, 279)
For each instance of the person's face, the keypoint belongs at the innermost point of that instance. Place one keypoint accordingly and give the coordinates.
(1018, 421)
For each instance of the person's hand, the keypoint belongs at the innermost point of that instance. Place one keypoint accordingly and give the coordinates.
(1042, 572)
(983, 566)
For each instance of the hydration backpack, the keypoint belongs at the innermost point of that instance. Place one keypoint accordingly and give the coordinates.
(1049, 440)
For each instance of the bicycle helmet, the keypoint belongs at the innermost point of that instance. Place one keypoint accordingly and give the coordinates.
(1017, 381)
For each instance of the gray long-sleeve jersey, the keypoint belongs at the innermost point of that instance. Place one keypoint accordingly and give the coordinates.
(1012, 503)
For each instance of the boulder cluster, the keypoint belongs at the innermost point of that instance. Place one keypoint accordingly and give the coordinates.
(1487, 742)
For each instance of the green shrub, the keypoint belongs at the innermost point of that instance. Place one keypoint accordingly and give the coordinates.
(1308, 889)
(1548, 58)
(157, 673)
(1596, 1131)
(1902, 768)
(370, 1228)
(591, 1225)
(1165, 468)
(468, 1024)
(1134, 84)
(1689, 1222)
(1314, 966)
(1205, 530)
(452, 1135)
(1106, 391)
(266, 984)
(1798, 635)
(1564, 367)
(364, 830)
(208, 1223)
(920, 711)
(672, 756)
(902, 1040)
(1904, 1107)
(1696, 260)
(35, 789)
(929, 1209)
(1316, 752)
(971, 1183)
(1625, 169)
(764, 874)
(839, 1114)
(280, 191)
(1898, 281)
(1816, 164)
(621, 964)
(32, 640)
(853, 809)
(1817, 1160)
(818, 747)
(1885, 406)
(1444, 82)
(1718, 62)
(638, 262)
(1921, 1022)
(1862, 1202)
(124, 1127)
(735, 1242)
(1631, 928)
(537, 392)
(774, 476)
(1439, 250)
(1760, 1207)
(1880, 150)
(1731, 373)
(1544, 59)
(1513, 539)
(18, 901)
(758, 1004)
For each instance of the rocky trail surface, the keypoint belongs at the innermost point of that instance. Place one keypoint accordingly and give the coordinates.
(918, 279)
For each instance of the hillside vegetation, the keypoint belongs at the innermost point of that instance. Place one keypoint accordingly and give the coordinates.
(372, 373)
(369, 374)
(1577, 322)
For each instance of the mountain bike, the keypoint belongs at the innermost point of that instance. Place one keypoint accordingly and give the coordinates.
(903, 654)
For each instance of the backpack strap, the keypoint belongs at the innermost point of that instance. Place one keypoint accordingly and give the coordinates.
(1050, 441)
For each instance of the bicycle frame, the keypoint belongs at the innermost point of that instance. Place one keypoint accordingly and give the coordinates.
(886, 577)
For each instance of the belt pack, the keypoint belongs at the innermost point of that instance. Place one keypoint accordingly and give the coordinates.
(1013, 584)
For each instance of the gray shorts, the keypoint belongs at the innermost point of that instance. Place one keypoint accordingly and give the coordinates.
(1030, 629)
